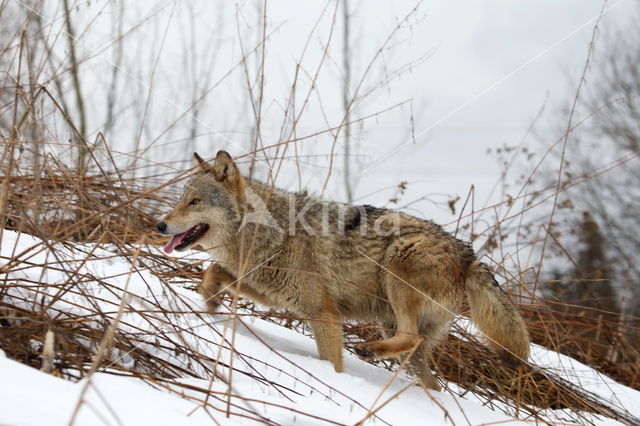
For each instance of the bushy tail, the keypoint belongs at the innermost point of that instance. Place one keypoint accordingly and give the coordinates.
(495, 314)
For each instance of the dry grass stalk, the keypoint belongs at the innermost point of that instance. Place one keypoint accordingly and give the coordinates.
(48, 352)
(98, 208)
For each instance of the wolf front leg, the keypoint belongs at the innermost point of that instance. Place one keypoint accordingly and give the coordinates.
(217, 280)
(326, 322)
(213, 283)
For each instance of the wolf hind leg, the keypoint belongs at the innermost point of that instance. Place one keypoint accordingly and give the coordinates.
(434, 328)
(419, 363)
(406, 304)
(420, 366)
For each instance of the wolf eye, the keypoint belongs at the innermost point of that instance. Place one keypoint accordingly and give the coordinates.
(195, 201)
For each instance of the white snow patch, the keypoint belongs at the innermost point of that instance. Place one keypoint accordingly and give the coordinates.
(262, 349)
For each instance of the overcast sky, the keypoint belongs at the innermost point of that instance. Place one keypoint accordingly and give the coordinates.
(474, 76)
(496, 64)
(489, 68)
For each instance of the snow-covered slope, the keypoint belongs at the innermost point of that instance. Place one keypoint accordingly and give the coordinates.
(276, 376)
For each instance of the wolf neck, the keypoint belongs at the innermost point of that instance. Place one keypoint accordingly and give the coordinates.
(260, 234)
(277, 201)
(265, 191)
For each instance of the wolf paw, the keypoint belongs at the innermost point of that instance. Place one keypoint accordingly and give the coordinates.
(388, 348)
(365, 351)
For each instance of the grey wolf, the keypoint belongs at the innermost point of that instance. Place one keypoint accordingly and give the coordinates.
(328, 262)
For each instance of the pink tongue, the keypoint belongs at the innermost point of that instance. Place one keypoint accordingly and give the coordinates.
(174, 242)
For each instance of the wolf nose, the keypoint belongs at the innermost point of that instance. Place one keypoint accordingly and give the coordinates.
(161, 227)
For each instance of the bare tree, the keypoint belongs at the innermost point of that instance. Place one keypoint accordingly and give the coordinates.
(74, 69)
(346, 103)
(602, 180)
(590, 285)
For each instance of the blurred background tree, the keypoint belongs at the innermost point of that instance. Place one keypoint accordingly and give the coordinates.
(599, 230)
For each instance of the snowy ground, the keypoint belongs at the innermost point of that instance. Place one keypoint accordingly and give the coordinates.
(308, 391)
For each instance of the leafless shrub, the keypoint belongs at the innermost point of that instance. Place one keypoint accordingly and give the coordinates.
(78, 208)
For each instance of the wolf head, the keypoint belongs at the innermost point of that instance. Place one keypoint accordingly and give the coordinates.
(210, 207)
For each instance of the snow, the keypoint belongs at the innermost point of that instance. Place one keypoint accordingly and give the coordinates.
(262, 350)
(31, 397)
(588, 379)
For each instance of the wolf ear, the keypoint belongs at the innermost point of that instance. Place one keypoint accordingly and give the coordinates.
(225, 170)
(200, 165)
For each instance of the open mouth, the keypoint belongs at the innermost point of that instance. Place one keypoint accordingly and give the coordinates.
(182, 241)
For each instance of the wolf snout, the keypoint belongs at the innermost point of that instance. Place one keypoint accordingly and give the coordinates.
(161, 227)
